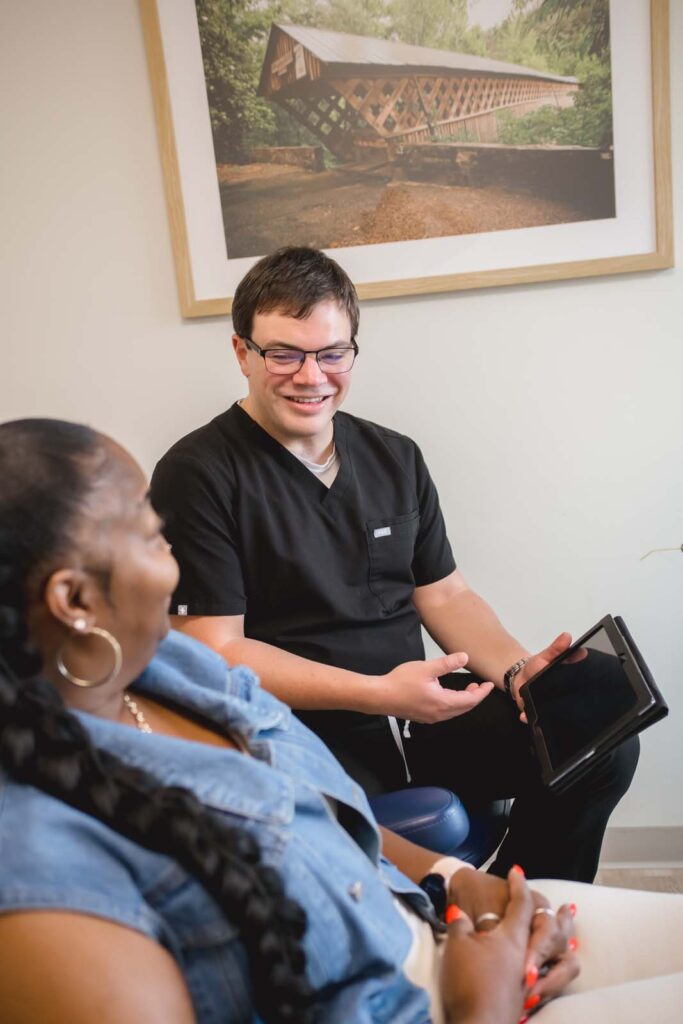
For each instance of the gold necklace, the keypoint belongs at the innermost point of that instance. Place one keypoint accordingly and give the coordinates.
(140, 720)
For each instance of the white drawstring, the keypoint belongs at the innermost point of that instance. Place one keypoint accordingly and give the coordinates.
(396, 733)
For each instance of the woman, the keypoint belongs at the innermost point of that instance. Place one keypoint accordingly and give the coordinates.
(174, 845)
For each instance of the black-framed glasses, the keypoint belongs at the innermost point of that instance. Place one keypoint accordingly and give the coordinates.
(335, 359)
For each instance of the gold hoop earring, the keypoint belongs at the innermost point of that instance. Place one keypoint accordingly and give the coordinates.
(80, 627)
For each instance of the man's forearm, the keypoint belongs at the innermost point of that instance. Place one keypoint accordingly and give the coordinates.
(410, 690)
(465, 622)
(305, 685)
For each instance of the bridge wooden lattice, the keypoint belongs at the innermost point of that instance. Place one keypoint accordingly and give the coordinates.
(346, 89)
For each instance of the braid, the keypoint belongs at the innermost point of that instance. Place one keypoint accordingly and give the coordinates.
(43, 745)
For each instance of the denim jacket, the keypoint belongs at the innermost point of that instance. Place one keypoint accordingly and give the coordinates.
(52, 856)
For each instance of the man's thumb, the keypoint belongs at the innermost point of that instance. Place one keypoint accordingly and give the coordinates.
(448, 663)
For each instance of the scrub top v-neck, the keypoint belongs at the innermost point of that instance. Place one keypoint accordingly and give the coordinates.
(325, 573)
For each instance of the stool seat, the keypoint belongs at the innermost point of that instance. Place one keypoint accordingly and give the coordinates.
(435, 818)
(488, 825)
(427, 815)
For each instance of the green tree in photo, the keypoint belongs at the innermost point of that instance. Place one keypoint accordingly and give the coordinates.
(572, 37)
(232, 35)
(437, 23)
(357, 17)
(587, 123)
(577, 26)
(516, 41)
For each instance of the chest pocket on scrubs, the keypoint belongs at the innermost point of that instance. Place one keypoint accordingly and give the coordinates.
(391, 545)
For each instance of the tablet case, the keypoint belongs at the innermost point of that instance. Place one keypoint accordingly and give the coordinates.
(559, 779)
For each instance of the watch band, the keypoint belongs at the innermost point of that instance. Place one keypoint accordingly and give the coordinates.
(435, 884)
(510, 675)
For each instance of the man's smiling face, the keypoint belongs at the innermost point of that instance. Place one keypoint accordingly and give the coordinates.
(296, 407)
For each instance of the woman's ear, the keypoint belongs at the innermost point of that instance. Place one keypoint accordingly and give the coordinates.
(72, 594)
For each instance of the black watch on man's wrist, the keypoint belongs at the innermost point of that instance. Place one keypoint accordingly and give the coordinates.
(510, 675)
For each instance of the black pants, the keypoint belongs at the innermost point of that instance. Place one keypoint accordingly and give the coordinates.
(484, 755)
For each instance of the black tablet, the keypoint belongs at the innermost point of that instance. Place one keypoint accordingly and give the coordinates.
(590, 699)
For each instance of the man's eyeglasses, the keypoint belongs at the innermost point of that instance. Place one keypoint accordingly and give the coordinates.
(336, 359)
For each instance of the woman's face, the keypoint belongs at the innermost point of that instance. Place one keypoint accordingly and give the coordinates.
(119, 577)
(142, 571)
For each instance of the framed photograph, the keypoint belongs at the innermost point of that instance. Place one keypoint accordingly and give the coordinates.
(427, 146)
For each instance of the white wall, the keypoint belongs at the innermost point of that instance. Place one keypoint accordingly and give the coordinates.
(550, 415)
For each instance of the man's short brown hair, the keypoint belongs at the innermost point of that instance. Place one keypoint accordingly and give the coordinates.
(292, 280)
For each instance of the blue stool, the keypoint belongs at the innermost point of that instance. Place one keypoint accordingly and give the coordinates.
(437, 819)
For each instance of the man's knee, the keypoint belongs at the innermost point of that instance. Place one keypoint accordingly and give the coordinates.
(626, 760)
(614, 772)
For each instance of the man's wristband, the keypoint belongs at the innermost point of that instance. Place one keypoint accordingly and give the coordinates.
(510, 675)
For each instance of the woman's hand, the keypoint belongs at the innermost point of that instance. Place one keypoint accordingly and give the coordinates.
(477, 893)
(551, 960)
(529, 934)
(482, 973)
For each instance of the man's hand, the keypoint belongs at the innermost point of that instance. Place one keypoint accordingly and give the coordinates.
(542, 660)
(413, 691)
(536, 663)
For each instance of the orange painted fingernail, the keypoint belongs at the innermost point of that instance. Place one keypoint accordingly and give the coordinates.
(520, 871)
(453, 912)
(572, 944)
(572, 909)
(531, 976)
(532, 1001)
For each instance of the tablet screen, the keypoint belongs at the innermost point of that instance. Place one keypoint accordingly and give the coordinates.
(580, 699)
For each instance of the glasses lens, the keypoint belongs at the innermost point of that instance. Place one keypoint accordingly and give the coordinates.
(332, 360)
(283, 360)
(336, 360)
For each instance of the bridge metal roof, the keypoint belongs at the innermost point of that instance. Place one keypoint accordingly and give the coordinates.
(341, 51)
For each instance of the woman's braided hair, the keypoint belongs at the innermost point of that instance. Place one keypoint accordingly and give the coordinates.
(47, 470)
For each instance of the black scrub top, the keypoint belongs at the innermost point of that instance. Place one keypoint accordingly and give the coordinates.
(327, 574)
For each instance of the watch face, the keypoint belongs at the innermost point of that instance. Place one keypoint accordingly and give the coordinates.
(435, 887)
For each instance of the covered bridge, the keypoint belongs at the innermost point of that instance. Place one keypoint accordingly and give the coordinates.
(348, 89)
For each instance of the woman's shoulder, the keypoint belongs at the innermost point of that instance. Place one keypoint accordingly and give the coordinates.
(182, 660)
(184, 669)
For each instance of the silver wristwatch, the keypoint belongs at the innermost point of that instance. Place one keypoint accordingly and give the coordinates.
(510, 675)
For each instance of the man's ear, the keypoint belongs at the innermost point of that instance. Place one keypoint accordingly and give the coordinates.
(72, 594)
(241, 351)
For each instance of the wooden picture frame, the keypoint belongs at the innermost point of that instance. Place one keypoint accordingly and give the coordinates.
(206, 276)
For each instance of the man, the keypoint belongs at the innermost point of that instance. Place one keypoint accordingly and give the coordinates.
(312, 548)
